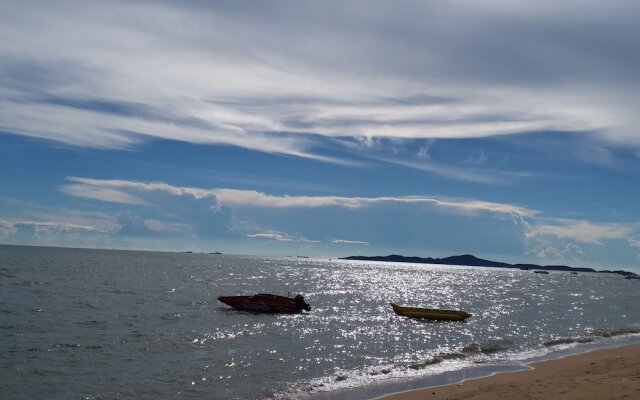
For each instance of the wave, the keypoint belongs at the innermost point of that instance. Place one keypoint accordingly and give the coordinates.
(471, 350)
(597, 334)
(567, 340)
(468, 355)
(489, 347)
(560, 341)
(442, 362)
(631, 330)
(427, 362)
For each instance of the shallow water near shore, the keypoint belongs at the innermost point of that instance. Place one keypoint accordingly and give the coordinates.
(126, 324)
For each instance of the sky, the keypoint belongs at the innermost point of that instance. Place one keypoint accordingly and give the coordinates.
(503, 129)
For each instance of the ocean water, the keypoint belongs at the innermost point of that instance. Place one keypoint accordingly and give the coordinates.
(105, 324)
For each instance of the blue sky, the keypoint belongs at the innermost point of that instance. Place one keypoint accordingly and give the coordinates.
(503, 129)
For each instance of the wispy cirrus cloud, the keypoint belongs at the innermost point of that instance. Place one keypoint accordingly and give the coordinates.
(465, 206)
(124, 191)
(349, 242)
(140, 193)
(285, 237)
(12, 227)
(374, 71)
(457, 173)
(88, 191)
(281, 237)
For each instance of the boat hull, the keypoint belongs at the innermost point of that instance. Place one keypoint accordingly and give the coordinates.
(265, 303)
(430, 313)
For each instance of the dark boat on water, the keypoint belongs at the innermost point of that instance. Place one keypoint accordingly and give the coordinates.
(267, 303)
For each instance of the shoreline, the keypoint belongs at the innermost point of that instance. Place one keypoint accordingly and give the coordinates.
(386, 389)
(596, 374)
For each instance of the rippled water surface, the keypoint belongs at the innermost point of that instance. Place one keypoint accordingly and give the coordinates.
(102, 324)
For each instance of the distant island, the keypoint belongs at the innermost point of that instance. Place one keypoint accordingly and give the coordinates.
(473, 261)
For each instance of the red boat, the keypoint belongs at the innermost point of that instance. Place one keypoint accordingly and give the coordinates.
(267, 303)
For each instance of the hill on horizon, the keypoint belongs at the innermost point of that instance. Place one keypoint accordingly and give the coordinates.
(473, 261)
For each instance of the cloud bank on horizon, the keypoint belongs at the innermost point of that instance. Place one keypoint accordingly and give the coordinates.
(215, 212)
(469, 111)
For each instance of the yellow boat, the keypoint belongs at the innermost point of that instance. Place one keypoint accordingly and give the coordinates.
(430, 313)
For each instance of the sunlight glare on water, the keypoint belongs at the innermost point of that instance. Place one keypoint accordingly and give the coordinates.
(89, 323)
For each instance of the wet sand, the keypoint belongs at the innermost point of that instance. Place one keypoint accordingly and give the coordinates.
(597, 375)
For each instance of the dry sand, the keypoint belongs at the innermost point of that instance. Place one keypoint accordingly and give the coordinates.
(597, 375)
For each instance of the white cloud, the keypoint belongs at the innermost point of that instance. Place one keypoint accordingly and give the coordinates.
(166, 227)
(122, 189)
(163, 209)
(48, 226)
(558, 253)
(581, 231)
(88, 191)
(580, 242)
(253, 198)
(261, 78)
(461, 174)
(49, 233)
(479, 159)
(158, 209)
(280, 237)
(284, 237)
(179, 208)
(117, 189)
(343, 241)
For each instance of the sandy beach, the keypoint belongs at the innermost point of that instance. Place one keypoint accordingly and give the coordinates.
(601, 374)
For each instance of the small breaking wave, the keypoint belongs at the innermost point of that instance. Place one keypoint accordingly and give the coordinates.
(591, 337)
(488, 347)
(567, 340)
(437, 363)
(443, 362)
(470, 351)
(618, 332)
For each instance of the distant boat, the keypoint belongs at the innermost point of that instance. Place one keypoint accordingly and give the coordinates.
(267, 303)
(541, 272)
(430, 313)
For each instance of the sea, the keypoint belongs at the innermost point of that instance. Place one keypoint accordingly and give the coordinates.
(113, 324)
